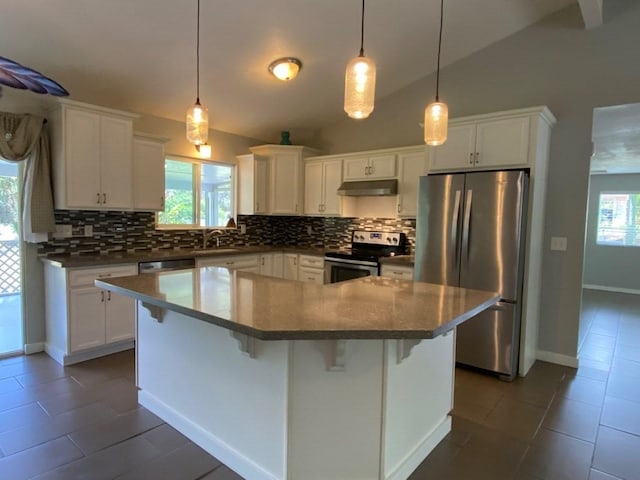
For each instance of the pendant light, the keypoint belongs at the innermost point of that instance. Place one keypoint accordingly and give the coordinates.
(436, 115)
(360, 82)
(197, 115)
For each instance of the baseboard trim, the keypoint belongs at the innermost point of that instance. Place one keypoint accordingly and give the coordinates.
(557, 358)
(30, 348)
(417, 456)
(612, 289)
(233, 459)
(63, 359)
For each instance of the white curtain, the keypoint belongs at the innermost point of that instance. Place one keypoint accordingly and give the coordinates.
(25, 138)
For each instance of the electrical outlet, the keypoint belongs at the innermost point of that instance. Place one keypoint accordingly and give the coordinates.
(67, 231)
(59, 233)
(559, 244)
(88, 230)
(243, 228)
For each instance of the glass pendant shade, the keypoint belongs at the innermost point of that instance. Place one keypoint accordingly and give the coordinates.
(360, 87)
(197, 124)
(436, 118)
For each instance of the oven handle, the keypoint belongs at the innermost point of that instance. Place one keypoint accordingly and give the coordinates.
(339, 261)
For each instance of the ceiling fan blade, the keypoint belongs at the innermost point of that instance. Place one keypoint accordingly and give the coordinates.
(11, 81)
(29, 79)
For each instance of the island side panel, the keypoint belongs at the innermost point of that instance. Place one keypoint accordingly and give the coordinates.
(418, 397)
(193, 375)
(335, 419)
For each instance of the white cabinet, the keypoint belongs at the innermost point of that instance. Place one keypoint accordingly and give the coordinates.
(371, 167)
(290, 266)
(271, 264)
(272, 180)
(400, 272)
(322, 180)
(246, 263)
(82, 320)
(92, 157)
(148, 172)
(486, 143)
(253, 181)
(311, 269)
(412, 165)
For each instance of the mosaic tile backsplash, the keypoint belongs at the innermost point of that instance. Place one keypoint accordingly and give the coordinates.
(135, 231)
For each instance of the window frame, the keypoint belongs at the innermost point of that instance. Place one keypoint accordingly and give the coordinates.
(197, 191)
(602, 243)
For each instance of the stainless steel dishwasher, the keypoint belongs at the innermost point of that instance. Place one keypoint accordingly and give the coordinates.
(166, 265)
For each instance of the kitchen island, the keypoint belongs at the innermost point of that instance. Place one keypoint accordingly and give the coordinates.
(288, 380)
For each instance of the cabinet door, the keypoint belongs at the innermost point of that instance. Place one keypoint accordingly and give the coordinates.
(382, 166)
(332, 175)
(266, 264)
(286, 178)
(290, 267)
(502, 143)
(412, 167)
(81, 159)
(278, 265)
(457, 153)
(148, 175)
(261, 185)
(356, 168)
(116, 139)
(86, 318)
(311, 275)
(120, 317)
(313, 188)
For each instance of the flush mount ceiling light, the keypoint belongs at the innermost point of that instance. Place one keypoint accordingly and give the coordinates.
(286, 68)
(436, 115)
(197, 115)
(360, 82)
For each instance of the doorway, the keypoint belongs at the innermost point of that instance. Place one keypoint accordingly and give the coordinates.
(11, 325)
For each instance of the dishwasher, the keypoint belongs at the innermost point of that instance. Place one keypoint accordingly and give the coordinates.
(166, 265)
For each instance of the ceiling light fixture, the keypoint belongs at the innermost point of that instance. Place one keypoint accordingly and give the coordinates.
(197, 115)
(286, 68)
(436, 115)
(360, 82)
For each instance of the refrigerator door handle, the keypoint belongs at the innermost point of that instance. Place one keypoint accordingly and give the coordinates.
(498, 308)
(466, 225)
(455, 218)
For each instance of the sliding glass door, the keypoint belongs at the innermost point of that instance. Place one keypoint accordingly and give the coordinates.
(11, 337)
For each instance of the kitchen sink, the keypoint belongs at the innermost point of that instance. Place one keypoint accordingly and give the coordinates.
(215, 250)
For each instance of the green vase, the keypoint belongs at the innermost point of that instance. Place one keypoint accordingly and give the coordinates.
(284, 138)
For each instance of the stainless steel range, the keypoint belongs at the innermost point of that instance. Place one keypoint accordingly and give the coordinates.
(363, 258)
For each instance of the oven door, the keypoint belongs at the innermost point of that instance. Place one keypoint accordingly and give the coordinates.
(340, 270)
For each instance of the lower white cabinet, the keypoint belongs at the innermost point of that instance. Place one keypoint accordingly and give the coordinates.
(271, 264)
(290, 266)
(311, 269)
(400, 272)
(82, 320)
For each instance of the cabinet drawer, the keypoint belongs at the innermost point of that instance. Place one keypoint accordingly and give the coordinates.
(311, 261)
(242, 261)
(78, 277)
(311, 275)
(394, 271)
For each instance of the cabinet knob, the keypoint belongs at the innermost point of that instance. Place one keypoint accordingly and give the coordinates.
(97, 198)
(102, 295)
(162, 203)
(477, 157)
(471, 158)
(104, 198)
(399, 208)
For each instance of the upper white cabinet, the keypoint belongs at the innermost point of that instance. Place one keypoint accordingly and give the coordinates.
(148, 172)
(253, 179)
(92, 157)
(412, 164)
(272, 180)
(371, 167)
(484, 142)
(322, 180)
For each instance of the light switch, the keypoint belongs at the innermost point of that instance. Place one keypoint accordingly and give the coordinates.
(88, 230)
(559, 243)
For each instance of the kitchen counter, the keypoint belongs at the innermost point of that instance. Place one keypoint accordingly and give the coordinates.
(355, 381)
(275, 309)
(115, 258)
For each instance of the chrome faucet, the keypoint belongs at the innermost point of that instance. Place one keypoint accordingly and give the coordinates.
(206, 235)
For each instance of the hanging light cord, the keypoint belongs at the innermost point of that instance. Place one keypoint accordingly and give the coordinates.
(198, 57)
(439, 47)
(362, 32)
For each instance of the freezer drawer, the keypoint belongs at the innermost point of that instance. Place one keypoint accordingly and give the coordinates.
(490, 340)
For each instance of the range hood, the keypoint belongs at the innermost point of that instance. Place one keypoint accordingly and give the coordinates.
(369, 188)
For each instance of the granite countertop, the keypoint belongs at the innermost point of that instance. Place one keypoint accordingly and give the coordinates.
(401, 260)
(275, 309)
(115, 258)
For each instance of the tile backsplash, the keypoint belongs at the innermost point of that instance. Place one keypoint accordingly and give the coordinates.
(135, 231)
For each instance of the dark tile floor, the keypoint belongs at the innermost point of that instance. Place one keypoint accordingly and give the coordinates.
(83, 421)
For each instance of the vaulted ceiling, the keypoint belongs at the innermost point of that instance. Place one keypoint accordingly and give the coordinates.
(139, 55)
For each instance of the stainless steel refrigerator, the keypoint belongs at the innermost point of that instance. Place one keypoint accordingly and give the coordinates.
(470, 232)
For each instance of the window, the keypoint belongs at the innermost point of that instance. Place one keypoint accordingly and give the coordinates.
(619, 219)
(198, 194)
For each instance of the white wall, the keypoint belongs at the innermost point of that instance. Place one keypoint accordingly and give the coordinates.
(557, 63)
(610, 266)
